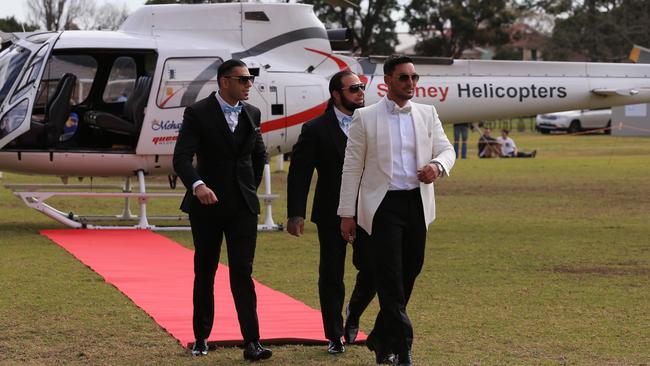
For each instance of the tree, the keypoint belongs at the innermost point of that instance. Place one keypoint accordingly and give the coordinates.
(448, 27)
(601, 30)
(110, 16)
(373, 29)
(10, 24)
(59, 14)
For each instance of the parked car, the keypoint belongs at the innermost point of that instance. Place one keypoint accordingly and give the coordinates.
(575, 121)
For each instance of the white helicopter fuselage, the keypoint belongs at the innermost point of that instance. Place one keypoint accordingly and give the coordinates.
(177, 48)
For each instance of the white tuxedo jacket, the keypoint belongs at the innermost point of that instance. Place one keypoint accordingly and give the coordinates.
(368, 165)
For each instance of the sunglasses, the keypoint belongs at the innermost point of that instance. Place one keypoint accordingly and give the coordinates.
(405, 77)
(244, 79)
(355, 88)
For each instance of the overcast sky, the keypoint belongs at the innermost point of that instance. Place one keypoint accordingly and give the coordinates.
(18, 8)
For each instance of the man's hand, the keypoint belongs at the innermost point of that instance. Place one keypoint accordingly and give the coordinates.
(429, 173)
(205, 195)
(348, 229)
(296, 225)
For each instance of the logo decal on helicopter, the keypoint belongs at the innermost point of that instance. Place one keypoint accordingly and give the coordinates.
(164, 140)
(168, 125)
(435, 92)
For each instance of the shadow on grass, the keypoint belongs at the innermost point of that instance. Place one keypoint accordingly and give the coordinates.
(7, 228)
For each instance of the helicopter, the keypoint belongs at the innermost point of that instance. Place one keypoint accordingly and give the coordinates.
(110, 103)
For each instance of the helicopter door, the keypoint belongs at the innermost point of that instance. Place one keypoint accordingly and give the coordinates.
(21, 68)
(299, 99)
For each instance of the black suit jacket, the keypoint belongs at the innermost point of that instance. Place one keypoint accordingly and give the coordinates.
(226, 164)
(321, 146)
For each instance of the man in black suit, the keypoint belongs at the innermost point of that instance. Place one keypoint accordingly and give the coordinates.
(224, 134)
(321, 146)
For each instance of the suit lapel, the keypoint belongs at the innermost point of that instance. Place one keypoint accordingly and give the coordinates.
(421, 134)
(338, 136)
(248, 116)
(384, 150)
(245, 130)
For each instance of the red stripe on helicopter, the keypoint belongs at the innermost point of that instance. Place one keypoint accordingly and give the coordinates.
(341, 64)
(309, 114)
(162, 104)
(295, 119)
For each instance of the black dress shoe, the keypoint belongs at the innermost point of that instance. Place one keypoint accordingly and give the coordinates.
(385, 359)
(382, 355)
(403, 359)
(351, 328)
(254, 351)
(200, 347)
(335, 346)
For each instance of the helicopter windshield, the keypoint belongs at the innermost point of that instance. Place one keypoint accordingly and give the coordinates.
(12, 61)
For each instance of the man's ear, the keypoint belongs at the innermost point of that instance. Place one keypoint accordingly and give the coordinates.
(337, 96)
(387, 79)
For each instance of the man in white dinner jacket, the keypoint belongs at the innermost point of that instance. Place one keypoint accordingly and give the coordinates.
(395, 152)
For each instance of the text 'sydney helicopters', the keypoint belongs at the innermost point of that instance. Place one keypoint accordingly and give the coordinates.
(100, 103)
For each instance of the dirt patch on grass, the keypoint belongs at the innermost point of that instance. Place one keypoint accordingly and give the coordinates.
(602, 270)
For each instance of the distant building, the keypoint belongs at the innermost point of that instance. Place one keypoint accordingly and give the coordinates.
(477, 53)
(524, 40)
(528, 40)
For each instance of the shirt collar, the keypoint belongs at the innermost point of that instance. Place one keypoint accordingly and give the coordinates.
(222, 102)
(390, 105)
(339, 114)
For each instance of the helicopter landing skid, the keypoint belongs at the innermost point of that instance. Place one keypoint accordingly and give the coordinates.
(34, 198)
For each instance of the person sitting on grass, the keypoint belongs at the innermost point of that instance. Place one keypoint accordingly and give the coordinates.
(509, 148)
(488, 147)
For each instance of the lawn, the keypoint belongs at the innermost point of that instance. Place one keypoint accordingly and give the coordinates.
(540, 261)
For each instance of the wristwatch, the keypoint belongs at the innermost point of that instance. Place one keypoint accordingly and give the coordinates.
(441, 169)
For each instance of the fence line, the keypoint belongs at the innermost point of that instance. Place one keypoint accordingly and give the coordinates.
(520, 124)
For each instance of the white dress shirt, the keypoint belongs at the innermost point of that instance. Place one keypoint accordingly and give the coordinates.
(344, 121)
(231, 118)
(402, 141)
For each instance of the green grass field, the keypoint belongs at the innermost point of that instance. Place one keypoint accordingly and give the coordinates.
(540, 261)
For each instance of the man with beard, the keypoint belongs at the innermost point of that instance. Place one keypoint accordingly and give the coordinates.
(321, 146)
(396, 150)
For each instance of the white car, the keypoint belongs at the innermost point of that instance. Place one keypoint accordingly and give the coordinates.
(575, 121)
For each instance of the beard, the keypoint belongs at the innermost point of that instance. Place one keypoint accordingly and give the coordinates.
(350, 105)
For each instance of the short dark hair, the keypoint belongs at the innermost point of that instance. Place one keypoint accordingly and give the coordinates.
(392, 61)
(336, 83)
(225, 68)
(507, 131)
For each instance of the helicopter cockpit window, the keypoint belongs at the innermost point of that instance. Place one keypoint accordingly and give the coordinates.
(12, 61)
(186, 80)
(30, 74)
(12, 119)
(256, 15)
(84, 67)
(121, 80)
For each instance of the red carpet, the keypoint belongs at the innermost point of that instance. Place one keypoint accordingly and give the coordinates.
(156, 273)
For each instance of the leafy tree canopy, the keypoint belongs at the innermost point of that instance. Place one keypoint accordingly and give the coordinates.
(447, 27)
(10, 24)
(372, 25)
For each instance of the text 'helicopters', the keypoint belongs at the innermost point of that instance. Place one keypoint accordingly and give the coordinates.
(110, 103)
